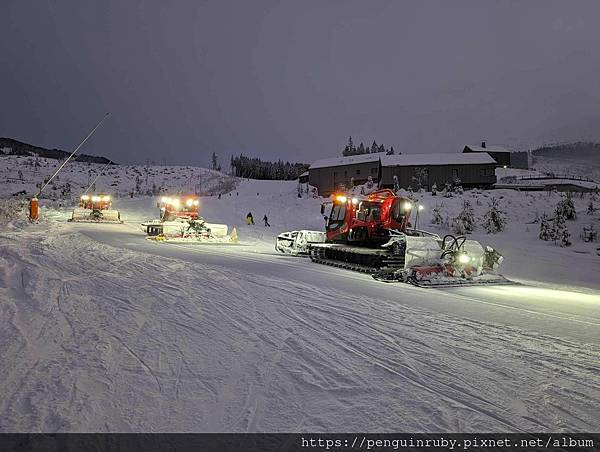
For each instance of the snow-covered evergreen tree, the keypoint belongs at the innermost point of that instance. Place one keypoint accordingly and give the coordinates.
(464, 223)
(546, 232)
(560, 231)
(434, 189)
(494, 220)
(436, 215)
(566, 208)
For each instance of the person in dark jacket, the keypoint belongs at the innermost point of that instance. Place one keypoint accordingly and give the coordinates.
(266, 220)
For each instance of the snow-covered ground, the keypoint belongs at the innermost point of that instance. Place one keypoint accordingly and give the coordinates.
(103, 330)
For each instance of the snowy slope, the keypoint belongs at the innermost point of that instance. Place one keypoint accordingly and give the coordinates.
(118, 338)
(19, 174)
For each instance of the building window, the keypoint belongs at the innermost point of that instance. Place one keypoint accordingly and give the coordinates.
(357, 172)
(373, 170)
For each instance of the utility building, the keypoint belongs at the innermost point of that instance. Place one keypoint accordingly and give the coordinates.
(505, 157)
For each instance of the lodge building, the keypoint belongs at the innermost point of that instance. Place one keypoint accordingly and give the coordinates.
(417, 171)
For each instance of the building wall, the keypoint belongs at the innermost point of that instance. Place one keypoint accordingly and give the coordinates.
(328, 180)
(520, 160)
(479, 175)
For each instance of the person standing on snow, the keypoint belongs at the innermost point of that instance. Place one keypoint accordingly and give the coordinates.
(249, 218)
(266, 220)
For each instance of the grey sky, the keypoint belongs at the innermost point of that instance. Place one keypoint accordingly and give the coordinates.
(293, 79)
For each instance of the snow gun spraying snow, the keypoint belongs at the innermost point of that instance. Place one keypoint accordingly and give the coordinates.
(34, 203)
(373, 234)
(95, 208)
(180, 222)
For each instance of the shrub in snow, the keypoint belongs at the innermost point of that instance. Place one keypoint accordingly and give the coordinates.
(545, 229)
(447, 191)
(589, 234)
(565, 208)
(494, 220)
(464, 223)
(436, 215)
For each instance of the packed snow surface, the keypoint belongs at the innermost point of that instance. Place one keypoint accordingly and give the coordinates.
(102, 330)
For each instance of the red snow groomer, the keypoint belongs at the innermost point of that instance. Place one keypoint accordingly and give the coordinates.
(373, 234)
(185, 207)
(95, 208)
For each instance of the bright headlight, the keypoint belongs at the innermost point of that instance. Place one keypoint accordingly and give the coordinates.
(196, 202)
(106, 198)
(95, 198)
(85, 197)
(189, 202)
(463, 258)
(175, 202)
(406, 206)
(421, 207)
(164, 199)
(354, 201)
(341, 199)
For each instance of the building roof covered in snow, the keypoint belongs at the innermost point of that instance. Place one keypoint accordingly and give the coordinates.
(437, 159)
(349, 160)
(475, 148)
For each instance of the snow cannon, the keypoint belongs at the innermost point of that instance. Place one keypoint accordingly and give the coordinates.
(34, 209)
(95, 209)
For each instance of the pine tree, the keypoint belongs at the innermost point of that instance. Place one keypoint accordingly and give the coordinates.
(391, 151)
(374, 147)
(591, 209)
(565, 208)
(545, 229)
(464, 223)
(361, 149)
(214, 161)
(494, 220)
(349, 149)
(560, 231)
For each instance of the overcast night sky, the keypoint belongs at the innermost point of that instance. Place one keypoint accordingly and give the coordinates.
(294, 79)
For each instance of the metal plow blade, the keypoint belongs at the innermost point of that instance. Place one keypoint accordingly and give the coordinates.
(80, 215)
